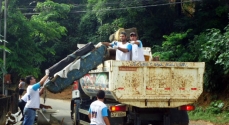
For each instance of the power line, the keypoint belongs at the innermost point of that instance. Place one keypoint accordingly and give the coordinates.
(136, 7)
(113, 3)
(124, 8)
(123, 2)
(116, 2)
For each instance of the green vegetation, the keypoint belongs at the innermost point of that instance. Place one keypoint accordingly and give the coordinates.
(216, 112)
(41, 33)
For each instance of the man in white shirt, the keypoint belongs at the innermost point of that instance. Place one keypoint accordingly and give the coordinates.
(33, 98)
(22, 102)
(98, 112)
(137, 48)
(123, 48)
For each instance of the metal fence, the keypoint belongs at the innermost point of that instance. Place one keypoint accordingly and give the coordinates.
(8, 103)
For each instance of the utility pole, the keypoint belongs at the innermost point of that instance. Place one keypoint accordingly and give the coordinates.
(4, 44)
(1, 34)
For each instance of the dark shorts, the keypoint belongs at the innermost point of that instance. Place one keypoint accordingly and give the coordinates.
(21, 91)
(21, 105)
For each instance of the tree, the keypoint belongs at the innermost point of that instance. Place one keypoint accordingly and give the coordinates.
(32, 40)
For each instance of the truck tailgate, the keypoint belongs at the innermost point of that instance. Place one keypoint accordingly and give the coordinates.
(151, 84)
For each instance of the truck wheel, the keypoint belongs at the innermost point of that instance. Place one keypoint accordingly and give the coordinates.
(178, 117)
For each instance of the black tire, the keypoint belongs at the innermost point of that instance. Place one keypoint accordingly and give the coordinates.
(178, 117)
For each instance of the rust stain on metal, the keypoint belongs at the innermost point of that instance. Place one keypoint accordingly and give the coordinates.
(133, 82)
(126, 68)
(165, 84)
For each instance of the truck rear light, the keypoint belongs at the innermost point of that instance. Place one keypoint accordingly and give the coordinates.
(182, 88)
(187, 107)
(120, 88)
(167, 88)
(117, 108)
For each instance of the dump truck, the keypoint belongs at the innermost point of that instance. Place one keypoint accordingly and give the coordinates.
(142, 92)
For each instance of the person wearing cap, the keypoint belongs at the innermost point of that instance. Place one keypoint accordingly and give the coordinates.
(123, 48)
(98, 111)
(137, 48)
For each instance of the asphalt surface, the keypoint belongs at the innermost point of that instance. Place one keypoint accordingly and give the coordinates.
(62, 108)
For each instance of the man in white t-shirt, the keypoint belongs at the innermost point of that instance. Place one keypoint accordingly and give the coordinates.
(22, 102)
(33, 98)
(98, 112)
(137, 48)
(123, 48)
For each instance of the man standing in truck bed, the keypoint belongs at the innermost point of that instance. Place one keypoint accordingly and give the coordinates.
(123, 48)
(98, 112)
(137, 48)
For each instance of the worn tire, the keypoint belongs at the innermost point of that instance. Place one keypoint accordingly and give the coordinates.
(178, 117)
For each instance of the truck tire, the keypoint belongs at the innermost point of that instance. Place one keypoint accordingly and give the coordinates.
(178, 117)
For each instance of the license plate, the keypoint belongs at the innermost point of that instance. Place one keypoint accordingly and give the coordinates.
(118, 114)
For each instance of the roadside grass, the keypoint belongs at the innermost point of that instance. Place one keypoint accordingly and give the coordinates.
(221, 118)
(217, 112)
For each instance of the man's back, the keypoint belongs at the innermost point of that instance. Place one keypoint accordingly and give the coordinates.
(97, 110)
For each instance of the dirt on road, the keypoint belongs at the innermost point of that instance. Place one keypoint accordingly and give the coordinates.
(200, 122)
(64, 95)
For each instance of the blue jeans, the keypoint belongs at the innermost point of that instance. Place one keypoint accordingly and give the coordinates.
(29, 116)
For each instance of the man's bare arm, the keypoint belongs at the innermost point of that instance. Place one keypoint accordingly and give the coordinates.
(89, 116)
(106, 43)
(106, 120)
(43, 80)
(45, 106)
(123, 49)
(135, 42)
(19, 86)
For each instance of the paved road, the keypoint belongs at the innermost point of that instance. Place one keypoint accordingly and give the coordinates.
(63, 113)
(63, 108)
